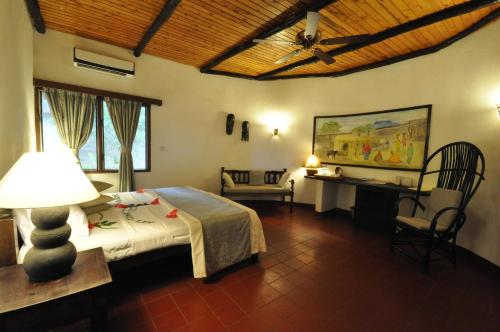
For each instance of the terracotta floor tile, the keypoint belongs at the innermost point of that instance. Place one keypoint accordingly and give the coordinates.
(245, 325)
(169, 321)
(217, 300)
(281, 269)
(204, 289)
(161, 306)
(304, 258)
(153, 294)
(176, 286)
(270, 276)
(195, 310)
(320, 274)
(229, 314)
(297, 278)
(208, 323)
(185, 296)
(283, 285)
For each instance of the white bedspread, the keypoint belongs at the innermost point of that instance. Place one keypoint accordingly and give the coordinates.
(128, 232)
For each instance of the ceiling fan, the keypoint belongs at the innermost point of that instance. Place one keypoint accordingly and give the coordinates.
(312, 36)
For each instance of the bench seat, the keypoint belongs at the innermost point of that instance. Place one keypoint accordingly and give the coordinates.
(240, 184)
(272, 189)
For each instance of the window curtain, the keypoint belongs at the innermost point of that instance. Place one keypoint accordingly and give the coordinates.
(74, 114)
(124, 115)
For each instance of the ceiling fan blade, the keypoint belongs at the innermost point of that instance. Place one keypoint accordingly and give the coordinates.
(323, 56)
(288, 57)
(312, 22)
(271, 41)
(345, 40)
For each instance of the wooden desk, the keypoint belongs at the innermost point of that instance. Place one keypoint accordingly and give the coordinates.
(374, 203)
(39, 306)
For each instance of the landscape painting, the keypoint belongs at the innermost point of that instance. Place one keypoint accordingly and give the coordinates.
(393, 139)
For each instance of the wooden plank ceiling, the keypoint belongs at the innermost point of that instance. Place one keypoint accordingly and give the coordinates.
(199, 31)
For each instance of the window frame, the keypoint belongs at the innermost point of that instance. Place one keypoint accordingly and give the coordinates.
(99, 133)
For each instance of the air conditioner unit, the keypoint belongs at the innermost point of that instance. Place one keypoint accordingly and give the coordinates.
(102, 63)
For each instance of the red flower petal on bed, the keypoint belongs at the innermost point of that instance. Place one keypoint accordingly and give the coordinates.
(155, 201)
(121, 206)
(172, 214)
(140, 191)
(91, 226)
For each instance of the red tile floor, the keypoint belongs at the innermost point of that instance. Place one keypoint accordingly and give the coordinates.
(319, 274)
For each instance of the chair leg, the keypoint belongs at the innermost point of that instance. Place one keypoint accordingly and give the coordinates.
(453, 253)
(282, 200)
(427, 256)
(394, 234)
(291, 204)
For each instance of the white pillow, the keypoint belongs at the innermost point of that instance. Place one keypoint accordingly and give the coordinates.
(256, 178)
(228, 181)
(77, 220)
(284, 179)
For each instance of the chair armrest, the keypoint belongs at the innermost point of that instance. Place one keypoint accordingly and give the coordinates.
(415, 203)
(443, 211)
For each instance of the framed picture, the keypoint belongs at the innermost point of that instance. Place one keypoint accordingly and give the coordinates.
(393, 139)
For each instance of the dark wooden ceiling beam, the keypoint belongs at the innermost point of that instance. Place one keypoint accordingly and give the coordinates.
(230, 74)
(439, 16)
(482, 22)
(290, 21)
(36, 15)
(167, 11)
(96, 92)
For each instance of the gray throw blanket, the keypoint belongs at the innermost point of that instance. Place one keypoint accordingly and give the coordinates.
(226, 228)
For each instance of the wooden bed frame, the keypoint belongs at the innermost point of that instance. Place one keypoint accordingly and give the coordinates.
(9, 249)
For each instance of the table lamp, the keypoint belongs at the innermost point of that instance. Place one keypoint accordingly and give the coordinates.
(312, 165)
(47, 182)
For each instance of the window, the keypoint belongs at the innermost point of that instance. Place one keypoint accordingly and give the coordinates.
(101, 152)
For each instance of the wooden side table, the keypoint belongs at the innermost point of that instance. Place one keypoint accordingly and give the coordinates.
(39, 306)
(8, 240)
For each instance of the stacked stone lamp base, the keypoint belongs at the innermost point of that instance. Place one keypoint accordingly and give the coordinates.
(52, 255)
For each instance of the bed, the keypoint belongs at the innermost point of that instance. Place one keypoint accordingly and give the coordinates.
(219, 232)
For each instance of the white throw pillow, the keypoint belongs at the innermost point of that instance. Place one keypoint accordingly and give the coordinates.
(77, 220)
(284, 179)
(228, 181)
(256, 178)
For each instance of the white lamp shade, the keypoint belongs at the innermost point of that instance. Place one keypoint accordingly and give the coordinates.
(45, 179)
(313, 162)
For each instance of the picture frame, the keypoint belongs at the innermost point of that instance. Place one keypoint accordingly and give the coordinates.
(396, 139)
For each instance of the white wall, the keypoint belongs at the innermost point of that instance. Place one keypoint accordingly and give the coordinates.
(189, 143)
(16, 86)
(460, 81)
(190, 126)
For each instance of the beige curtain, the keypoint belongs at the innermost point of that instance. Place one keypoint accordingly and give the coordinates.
(74, 114)
(125, 118)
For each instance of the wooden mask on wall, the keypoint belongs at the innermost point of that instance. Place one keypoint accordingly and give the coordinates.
(245, 131)
(229, 124)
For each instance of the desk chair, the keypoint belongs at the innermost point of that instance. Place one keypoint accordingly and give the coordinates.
(461, 170)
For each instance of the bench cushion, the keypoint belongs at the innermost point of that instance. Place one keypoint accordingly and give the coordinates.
(265, 189)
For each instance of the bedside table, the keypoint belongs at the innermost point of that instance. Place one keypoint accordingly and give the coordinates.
(35, 306)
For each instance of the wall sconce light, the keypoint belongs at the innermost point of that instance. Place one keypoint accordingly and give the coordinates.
(276, 132)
